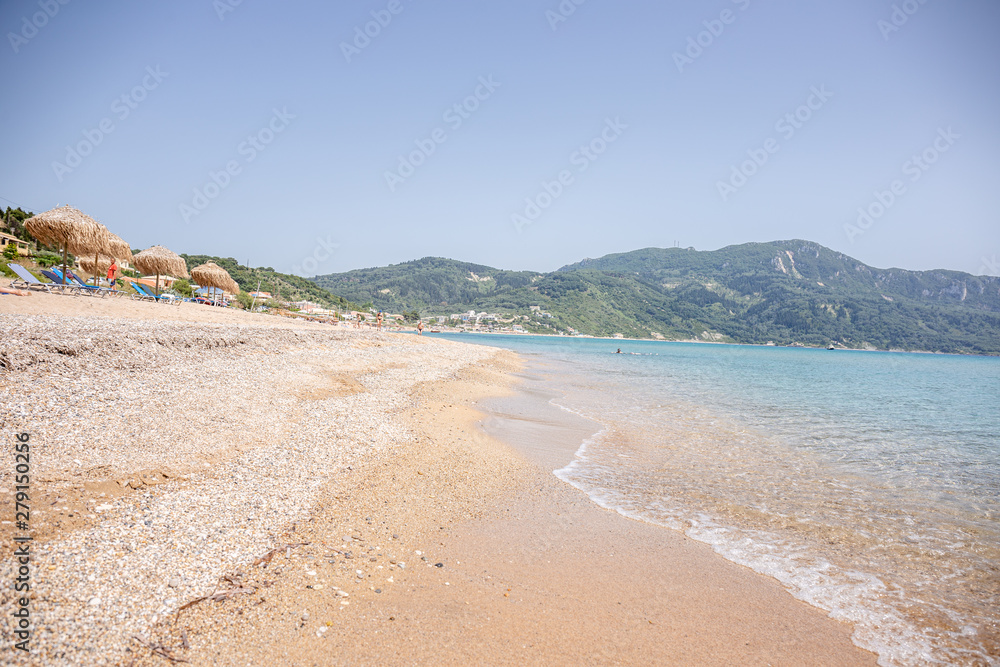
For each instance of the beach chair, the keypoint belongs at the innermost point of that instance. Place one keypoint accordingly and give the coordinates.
(150, 294)
(28, 281)
(141, 293)
(72, 279)
(105, 291)
(68, 287)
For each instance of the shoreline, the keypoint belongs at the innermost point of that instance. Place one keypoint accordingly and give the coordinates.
(704, 342)
(530, 569)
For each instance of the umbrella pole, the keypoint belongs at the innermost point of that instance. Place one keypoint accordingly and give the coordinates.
(64, 263)
(157, 284)
(95, 269)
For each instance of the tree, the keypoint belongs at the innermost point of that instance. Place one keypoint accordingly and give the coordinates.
(10, 251)
(183, 287)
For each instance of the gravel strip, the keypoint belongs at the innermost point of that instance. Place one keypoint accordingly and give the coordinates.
(243, 425)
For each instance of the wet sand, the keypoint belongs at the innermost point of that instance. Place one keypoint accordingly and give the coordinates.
(520, 567)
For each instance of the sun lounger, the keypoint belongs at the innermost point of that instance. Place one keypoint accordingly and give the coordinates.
(141, 293)
(57, 282)
(104, 291)
(73, 279)
(28, 281)
(56, 276)
(145, 292)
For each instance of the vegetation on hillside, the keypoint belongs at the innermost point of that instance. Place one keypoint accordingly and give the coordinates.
(283, 286)
(786, 292)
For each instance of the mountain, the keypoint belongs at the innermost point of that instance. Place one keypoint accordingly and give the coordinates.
(786, 292)
(803, 261)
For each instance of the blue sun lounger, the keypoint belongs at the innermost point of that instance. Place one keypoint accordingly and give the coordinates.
(148, 293)
(141, 293)
(57, 282)
(28, 281)
(104, 291)
(56, 276)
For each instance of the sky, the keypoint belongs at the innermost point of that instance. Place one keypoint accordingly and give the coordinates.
(317, 137)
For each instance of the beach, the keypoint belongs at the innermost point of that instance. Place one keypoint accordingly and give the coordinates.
(229, 488)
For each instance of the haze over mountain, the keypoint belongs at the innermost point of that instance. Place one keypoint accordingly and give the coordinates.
(786, 292)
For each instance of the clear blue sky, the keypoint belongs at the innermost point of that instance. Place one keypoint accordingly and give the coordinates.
(929, 85)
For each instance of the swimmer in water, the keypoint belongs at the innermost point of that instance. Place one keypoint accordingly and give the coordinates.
(619, 351)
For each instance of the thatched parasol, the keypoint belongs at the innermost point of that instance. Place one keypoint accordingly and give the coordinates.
(97, 265)
(114, 249)
(69, 228)
(159, 260)
(118, 248)
(213, 275)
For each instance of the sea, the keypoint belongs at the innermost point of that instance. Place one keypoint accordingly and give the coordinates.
(867, 483)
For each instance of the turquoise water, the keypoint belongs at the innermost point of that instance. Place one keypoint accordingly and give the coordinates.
(868, 483)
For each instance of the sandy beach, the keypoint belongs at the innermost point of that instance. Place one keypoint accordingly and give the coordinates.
(230, 489)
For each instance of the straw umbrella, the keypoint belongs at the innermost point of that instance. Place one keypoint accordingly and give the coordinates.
(115, 249)
(69, 228)
(159, 260)
(213, 275)
(96, 265)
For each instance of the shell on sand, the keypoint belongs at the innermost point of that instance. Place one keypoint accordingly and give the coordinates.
(160, 260)
(213, 275)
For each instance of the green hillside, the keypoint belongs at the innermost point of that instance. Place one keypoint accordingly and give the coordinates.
(785, 292)
(289, 287)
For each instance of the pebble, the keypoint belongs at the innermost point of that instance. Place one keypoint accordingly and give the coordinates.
(183, 380)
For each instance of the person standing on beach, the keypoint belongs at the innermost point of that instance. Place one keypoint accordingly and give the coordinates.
(420, 327)
(113, 274)
(379, 321)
